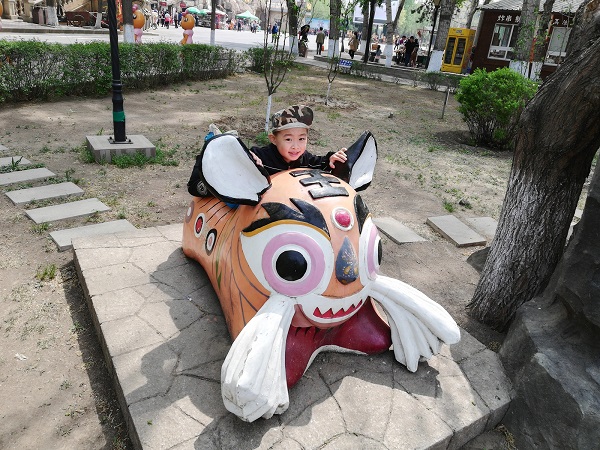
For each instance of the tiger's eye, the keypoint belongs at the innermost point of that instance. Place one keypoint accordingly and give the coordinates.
(291, 265)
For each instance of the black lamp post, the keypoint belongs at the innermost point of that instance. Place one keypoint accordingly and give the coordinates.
(117, 87)
(436, 4)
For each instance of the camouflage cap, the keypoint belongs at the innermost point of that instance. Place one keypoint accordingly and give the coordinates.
(296, 116)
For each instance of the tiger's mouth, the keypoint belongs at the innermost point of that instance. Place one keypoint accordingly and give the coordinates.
(341, 312)
(325, 312)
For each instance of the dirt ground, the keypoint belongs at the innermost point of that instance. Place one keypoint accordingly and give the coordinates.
(53, 382)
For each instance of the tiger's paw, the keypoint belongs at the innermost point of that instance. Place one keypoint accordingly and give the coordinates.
(253, 380)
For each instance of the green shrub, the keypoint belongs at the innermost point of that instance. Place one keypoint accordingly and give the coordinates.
(491, 103)
(33, 70)
(256, 58)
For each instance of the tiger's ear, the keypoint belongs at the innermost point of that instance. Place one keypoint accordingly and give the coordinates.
(229, 172)
(358, 169)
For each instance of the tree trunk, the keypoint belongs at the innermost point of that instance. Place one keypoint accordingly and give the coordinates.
(127, 8)
(557, 137)
(473, 4)
(542, 31)
(369, 28)
(335, 10)
(447, 8)
(391, 29)
(52, 17)
(293, 25)
(526, 30)
(364, 34)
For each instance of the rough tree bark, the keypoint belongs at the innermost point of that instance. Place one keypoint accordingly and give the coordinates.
(364, 33)
(447, 8)
(372, 5)
(335, 11)
(557, 137)
(391, 29)
(526, 29)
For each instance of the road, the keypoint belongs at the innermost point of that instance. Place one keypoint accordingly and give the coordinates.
(238, 40)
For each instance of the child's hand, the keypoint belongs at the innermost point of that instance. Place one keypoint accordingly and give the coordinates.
(257, 160)
(340, 156)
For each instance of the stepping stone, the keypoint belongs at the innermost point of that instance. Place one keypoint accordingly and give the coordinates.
(2, 148)
(396, 231)
(484, 225)
(455, 231)
(63, 238)
(25, 175)
(66, 210)
(44, 192)
(7, 161)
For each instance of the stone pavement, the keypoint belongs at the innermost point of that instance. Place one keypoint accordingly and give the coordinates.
(164, 339)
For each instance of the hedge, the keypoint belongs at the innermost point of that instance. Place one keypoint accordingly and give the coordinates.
(32, 70)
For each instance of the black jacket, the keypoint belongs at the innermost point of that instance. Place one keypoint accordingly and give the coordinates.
(273, 162)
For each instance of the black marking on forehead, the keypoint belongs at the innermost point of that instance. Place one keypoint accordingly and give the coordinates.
(362, 212)
(325, 188)
(306, 213)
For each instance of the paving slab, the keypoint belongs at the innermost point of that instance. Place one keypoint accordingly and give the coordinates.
(63, 238)
(66, 210)
(164, 338)
(104, 150)
(7, 161)
(484, 225)
(455, 231)
(45, 192)
(396, 231)
(3, 148)
(22, 176)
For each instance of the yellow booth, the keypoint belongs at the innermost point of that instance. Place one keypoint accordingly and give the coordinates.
(458, 50)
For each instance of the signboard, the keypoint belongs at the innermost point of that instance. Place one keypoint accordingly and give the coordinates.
(162, 3)
(182, 5)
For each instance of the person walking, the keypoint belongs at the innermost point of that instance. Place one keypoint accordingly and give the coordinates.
(274, 32)
(320, 40)
(167, 20)
(353, 44)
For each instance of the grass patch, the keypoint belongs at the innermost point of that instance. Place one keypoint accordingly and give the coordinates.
(40, 228)
(262, 138)
(85, 153)
(448, 206)
(46, 273)
(162, 158)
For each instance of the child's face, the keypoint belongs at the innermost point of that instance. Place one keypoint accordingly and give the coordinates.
(290, 143)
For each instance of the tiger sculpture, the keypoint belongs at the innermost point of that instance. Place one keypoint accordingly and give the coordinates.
(294, 260)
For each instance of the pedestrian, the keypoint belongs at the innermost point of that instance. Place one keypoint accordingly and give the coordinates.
(302, 41)
(353, 44)
(320, 40)
(409, 47)
(239, 25)
(161, 17)
(274, 32)
(167, 20)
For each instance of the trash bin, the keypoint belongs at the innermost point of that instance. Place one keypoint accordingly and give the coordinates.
(38, 14)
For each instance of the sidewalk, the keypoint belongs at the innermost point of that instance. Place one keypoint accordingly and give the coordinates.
(20, 26)
(164, 338)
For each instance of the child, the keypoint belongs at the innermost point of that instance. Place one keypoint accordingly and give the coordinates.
(287, 150)
(289, 136)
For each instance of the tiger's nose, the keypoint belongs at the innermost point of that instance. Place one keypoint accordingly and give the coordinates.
(346, 263)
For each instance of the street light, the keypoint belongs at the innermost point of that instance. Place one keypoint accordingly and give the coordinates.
(436, 4)
(117, 87)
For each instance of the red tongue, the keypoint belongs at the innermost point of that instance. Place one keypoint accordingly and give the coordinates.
(341, 313)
